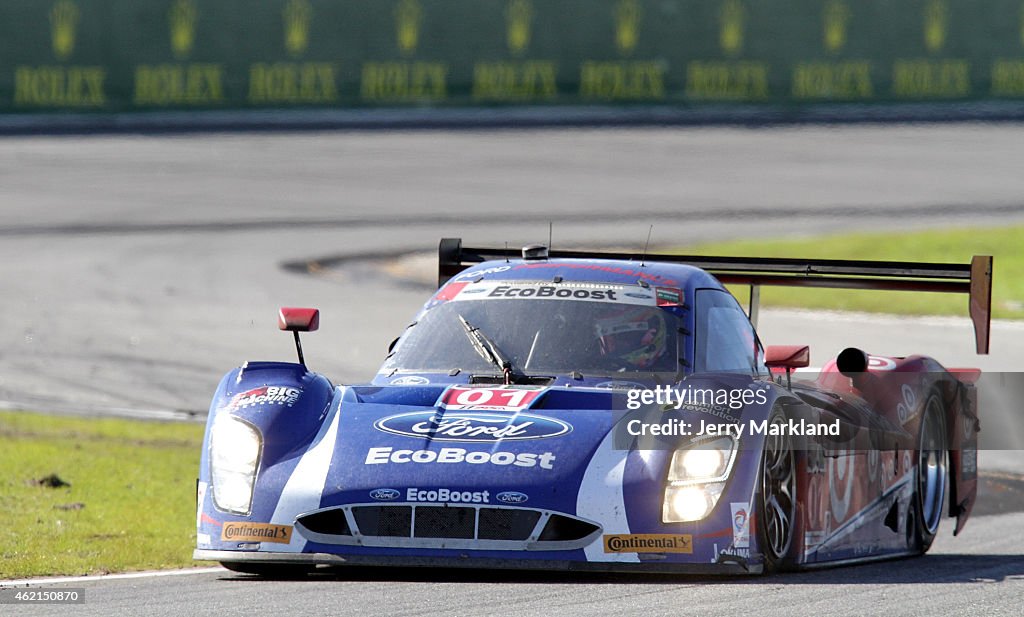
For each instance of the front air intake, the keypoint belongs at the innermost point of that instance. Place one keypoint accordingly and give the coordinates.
(447, 526)
(389, 521)
(507, 523)
(443, 522)
(565, 529)
(328, 522)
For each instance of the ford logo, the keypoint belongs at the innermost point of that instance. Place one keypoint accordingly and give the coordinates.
(385, 494)
(512, 497)
(620, 385)
(410, 380)
(472, 426)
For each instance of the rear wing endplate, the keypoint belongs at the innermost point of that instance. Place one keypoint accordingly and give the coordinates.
(973, 279)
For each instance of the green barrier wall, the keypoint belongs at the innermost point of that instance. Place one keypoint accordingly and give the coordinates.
(125, 55)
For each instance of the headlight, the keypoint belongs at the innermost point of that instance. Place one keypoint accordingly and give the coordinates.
(696, 479)
(690, 503)
(235, 449)
(704, 462)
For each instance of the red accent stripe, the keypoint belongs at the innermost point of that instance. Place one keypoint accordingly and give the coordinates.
(449, 291)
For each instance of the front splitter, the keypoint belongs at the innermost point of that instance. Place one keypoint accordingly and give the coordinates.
(327, 559)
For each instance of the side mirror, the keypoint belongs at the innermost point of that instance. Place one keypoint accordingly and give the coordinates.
(788, 357)
(298, 320)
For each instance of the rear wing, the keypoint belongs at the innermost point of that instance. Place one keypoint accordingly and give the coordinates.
(973, 279)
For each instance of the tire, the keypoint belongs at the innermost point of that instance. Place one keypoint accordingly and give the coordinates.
(930, 475)
(269, 570)
(778, 512)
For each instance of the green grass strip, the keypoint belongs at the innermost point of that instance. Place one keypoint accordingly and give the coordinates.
(134, 481)
(947, 245)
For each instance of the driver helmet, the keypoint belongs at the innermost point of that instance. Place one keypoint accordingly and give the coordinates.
(634, 336)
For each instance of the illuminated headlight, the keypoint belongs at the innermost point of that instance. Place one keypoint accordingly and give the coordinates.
(705, 462)
(235, 449)
(690, 503)
(696, 479)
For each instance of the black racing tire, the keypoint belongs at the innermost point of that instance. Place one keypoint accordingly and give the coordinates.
(269, 570)
(930, 477)
(778, 512)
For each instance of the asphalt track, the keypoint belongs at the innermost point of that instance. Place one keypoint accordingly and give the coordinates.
(137, 270)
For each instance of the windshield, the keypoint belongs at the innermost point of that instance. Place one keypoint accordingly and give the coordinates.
(543, 337)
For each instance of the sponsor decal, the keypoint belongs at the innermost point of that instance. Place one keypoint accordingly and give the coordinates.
(385, 494)
(410, 380)
(256, 532)
(907, 410)
(387, 454)
(669, 296)
(740, 525)
(551, 291)
(203, 539)
(447, 495)
(494, 399)
(880, 363)
(472, 274)
(840, 470)
(472, 426)
(267, 395)
(620, 385)
(731, 552)
(527, 290)
(512, 497)
(649, 543)
(874, 462)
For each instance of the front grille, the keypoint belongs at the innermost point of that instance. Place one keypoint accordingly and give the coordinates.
(392, 521)
(507, 523)
(441, 522)
(443, 526)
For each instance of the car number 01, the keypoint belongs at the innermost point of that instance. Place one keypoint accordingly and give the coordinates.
(489, 398)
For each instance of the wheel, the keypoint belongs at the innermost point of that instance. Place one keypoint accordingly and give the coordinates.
(777, 511)
(929, 477)
(269, 570)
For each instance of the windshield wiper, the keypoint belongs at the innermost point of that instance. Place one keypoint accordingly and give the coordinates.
(488, 350)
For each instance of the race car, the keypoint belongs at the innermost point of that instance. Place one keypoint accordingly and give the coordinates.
(582, 410)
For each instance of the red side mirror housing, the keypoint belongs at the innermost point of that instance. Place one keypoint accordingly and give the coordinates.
(787, 356)
(298, 319)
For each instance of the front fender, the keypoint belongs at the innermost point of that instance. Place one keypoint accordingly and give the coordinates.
(285, 401)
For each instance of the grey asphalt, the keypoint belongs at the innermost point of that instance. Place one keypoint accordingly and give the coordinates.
(135, 271)
(980, 572)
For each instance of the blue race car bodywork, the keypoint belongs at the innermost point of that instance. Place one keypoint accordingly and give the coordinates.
(506, 429)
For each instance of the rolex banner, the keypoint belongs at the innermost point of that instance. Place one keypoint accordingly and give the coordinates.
(125, 55)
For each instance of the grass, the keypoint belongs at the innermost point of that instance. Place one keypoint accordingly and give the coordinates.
(956, 245)
(135, 481)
